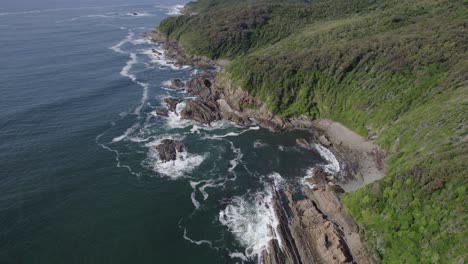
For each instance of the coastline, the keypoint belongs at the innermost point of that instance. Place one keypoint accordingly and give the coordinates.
(334, 237)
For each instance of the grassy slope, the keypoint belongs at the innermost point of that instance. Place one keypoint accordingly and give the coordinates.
(398, 70)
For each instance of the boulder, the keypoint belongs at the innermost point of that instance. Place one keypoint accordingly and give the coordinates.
(172, 103)
(162, 112)
(177, 83)
(168, 149)
(201, 85)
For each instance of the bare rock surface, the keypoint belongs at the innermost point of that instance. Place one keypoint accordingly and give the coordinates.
(168, 149)
(203, 111)
(172, 103)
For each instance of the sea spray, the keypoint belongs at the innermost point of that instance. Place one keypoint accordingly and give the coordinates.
(252, 219)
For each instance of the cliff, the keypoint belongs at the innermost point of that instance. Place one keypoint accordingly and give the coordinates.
(392, 71)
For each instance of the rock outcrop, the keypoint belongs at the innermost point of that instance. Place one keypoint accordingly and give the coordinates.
(313, 228)
(168, 149)
(172, 103)
(162, 112)
(177, 83)
(203, 111)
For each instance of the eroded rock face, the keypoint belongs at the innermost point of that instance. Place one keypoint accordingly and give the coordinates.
(201, 86)
(314, 228)
(201, 111)
(168, 149)
(172, 103)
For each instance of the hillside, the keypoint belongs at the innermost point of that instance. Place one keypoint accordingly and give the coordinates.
(391, 71)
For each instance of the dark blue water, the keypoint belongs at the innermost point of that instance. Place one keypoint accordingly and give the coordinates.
(80, 181)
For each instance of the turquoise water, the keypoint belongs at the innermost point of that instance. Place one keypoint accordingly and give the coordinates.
(80, 181)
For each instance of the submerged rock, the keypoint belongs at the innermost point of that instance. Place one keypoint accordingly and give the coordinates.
(162, 112)
(168, 149)
(133, 14)
(172, 103)
(177, 83)
(155, 51)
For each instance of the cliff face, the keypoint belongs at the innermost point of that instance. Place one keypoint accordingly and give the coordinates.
(392, 71)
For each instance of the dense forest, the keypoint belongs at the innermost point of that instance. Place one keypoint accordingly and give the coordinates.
(392, 70)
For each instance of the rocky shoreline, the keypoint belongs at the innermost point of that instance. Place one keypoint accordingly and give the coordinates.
(313, 227)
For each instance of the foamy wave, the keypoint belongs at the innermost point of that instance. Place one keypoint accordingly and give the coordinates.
(125, 134)
(126, 69)
(234, 162)
(126, 73)
(160, 58)
(136, 14)
(175, 10)
(310, 174)
(333, 166)
(252, 221)
(235, 134)
(175, 121)
(184, 163)
(259, 144)
(117, 47)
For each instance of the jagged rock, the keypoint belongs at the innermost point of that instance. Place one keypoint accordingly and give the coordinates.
(238, 120)
(204, 112)
(168, 149)
(177, 83)
(171, 103)
(201, 85)
(155, 51)
(162, 112)
(303, 143)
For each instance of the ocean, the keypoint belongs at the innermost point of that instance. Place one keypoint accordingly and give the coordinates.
(80, 179)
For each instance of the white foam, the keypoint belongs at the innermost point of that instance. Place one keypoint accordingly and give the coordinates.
(118, 47)
(193, 194)
(175, 10)
(235, 134)
(140, 41)
(333, 166)
(209, 184)
(310, 174)
(238, 255)
(126, 69)
(252, 220)
(167, 83)
(162, 59)
(125, 134)
(199, 242)
(139, 14)
(185, 162)
(281, 147)
(175, 121)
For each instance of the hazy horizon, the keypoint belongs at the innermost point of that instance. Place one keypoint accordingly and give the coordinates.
(30, 5)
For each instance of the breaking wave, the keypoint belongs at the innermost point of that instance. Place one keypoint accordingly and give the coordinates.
(185, 162)
(252, 220)
(333, 165)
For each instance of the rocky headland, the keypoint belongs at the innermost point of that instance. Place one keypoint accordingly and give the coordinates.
(313, 226)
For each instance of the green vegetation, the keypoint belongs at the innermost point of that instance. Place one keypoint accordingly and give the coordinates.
(395, 68)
